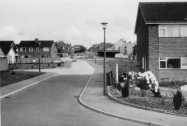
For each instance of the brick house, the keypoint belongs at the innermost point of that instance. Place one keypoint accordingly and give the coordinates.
(31, 49)
(161, 29)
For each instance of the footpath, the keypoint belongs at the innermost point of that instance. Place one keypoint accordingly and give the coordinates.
(92, 98)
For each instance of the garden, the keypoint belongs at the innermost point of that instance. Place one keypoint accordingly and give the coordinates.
(146, 93)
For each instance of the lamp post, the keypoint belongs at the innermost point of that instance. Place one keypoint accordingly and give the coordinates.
(39, 44)
(104, 25)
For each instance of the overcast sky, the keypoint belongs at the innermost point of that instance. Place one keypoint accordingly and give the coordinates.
(74, 21)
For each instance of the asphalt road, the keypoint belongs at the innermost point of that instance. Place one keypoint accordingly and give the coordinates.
(54, 103)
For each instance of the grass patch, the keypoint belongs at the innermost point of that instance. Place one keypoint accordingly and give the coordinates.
(8, 77)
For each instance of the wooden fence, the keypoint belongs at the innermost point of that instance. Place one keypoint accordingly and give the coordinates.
(36, 60)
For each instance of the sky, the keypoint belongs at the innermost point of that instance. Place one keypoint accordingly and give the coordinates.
(73, 21)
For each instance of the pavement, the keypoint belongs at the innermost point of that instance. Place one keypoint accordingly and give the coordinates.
(92, 97)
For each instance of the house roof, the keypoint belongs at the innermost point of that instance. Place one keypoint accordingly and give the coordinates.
(1, 53)
(161, 13)
(32, 43)
(164, 12)
(6, 46)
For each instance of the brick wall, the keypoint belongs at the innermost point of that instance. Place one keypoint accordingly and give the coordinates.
(153, 49)
(142, 45)
(173, 74)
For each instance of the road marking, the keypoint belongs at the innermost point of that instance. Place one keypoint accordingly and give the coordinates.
(25, 87)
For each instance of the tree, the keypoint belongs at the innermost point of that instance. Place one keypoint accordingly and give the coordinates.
(100, 46)
(63, 47)
(79, 48)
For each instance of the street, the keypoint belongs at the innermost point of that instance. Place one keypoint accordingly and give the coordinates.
(53, 102)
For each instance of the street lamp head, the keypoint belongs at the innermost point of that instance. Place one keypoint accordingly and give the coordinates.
(104, 24)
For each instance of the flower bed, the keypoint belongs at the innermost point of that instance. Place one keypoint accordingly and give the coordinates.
(162, 104)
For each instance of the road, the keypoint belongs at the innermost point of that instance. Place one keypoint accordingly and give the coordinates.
(54, 103)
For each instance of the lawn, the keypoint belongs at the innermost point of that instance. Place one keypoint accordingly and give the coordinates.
(9, 78)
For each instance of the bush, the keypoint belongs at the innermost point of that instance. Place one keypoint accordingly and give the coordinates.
(142, 84)
(177, 100)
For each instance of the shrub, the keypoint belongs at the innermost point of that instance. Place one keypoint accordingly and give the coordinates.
(142, 84)
(177, 100)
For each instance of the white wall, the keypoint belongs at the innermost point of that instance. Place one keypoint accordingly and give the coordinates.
(11, 56)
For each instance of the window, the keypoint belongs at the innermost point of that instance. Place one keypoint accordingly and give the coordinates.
(169, 63)
(162, 62)
(37, 49)
(30, 49)
(21, 49)
(24, 49)
(183, 29)
(174, 63)
(183, 62)
(45, 49)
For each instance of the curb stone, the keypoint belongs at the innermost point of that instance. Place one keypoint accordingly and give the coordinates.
(91, 107)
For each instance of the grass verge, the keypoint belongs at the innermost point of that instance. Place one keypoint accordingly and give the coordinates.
(8, 77)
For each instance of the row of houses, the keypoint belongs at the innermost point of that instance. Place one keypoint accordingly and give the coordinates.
(27, 51)
(161, 29)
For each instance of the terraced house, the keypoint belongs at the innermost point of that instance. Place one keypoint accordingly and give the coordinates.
(161, 29)
(29, 48)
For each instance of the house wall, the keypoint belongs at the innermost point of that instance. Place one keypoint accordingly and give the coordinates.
(11, 56)
(3, 64)
(153, 49)
(53, 50)
(142, 47)
(173, 47)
